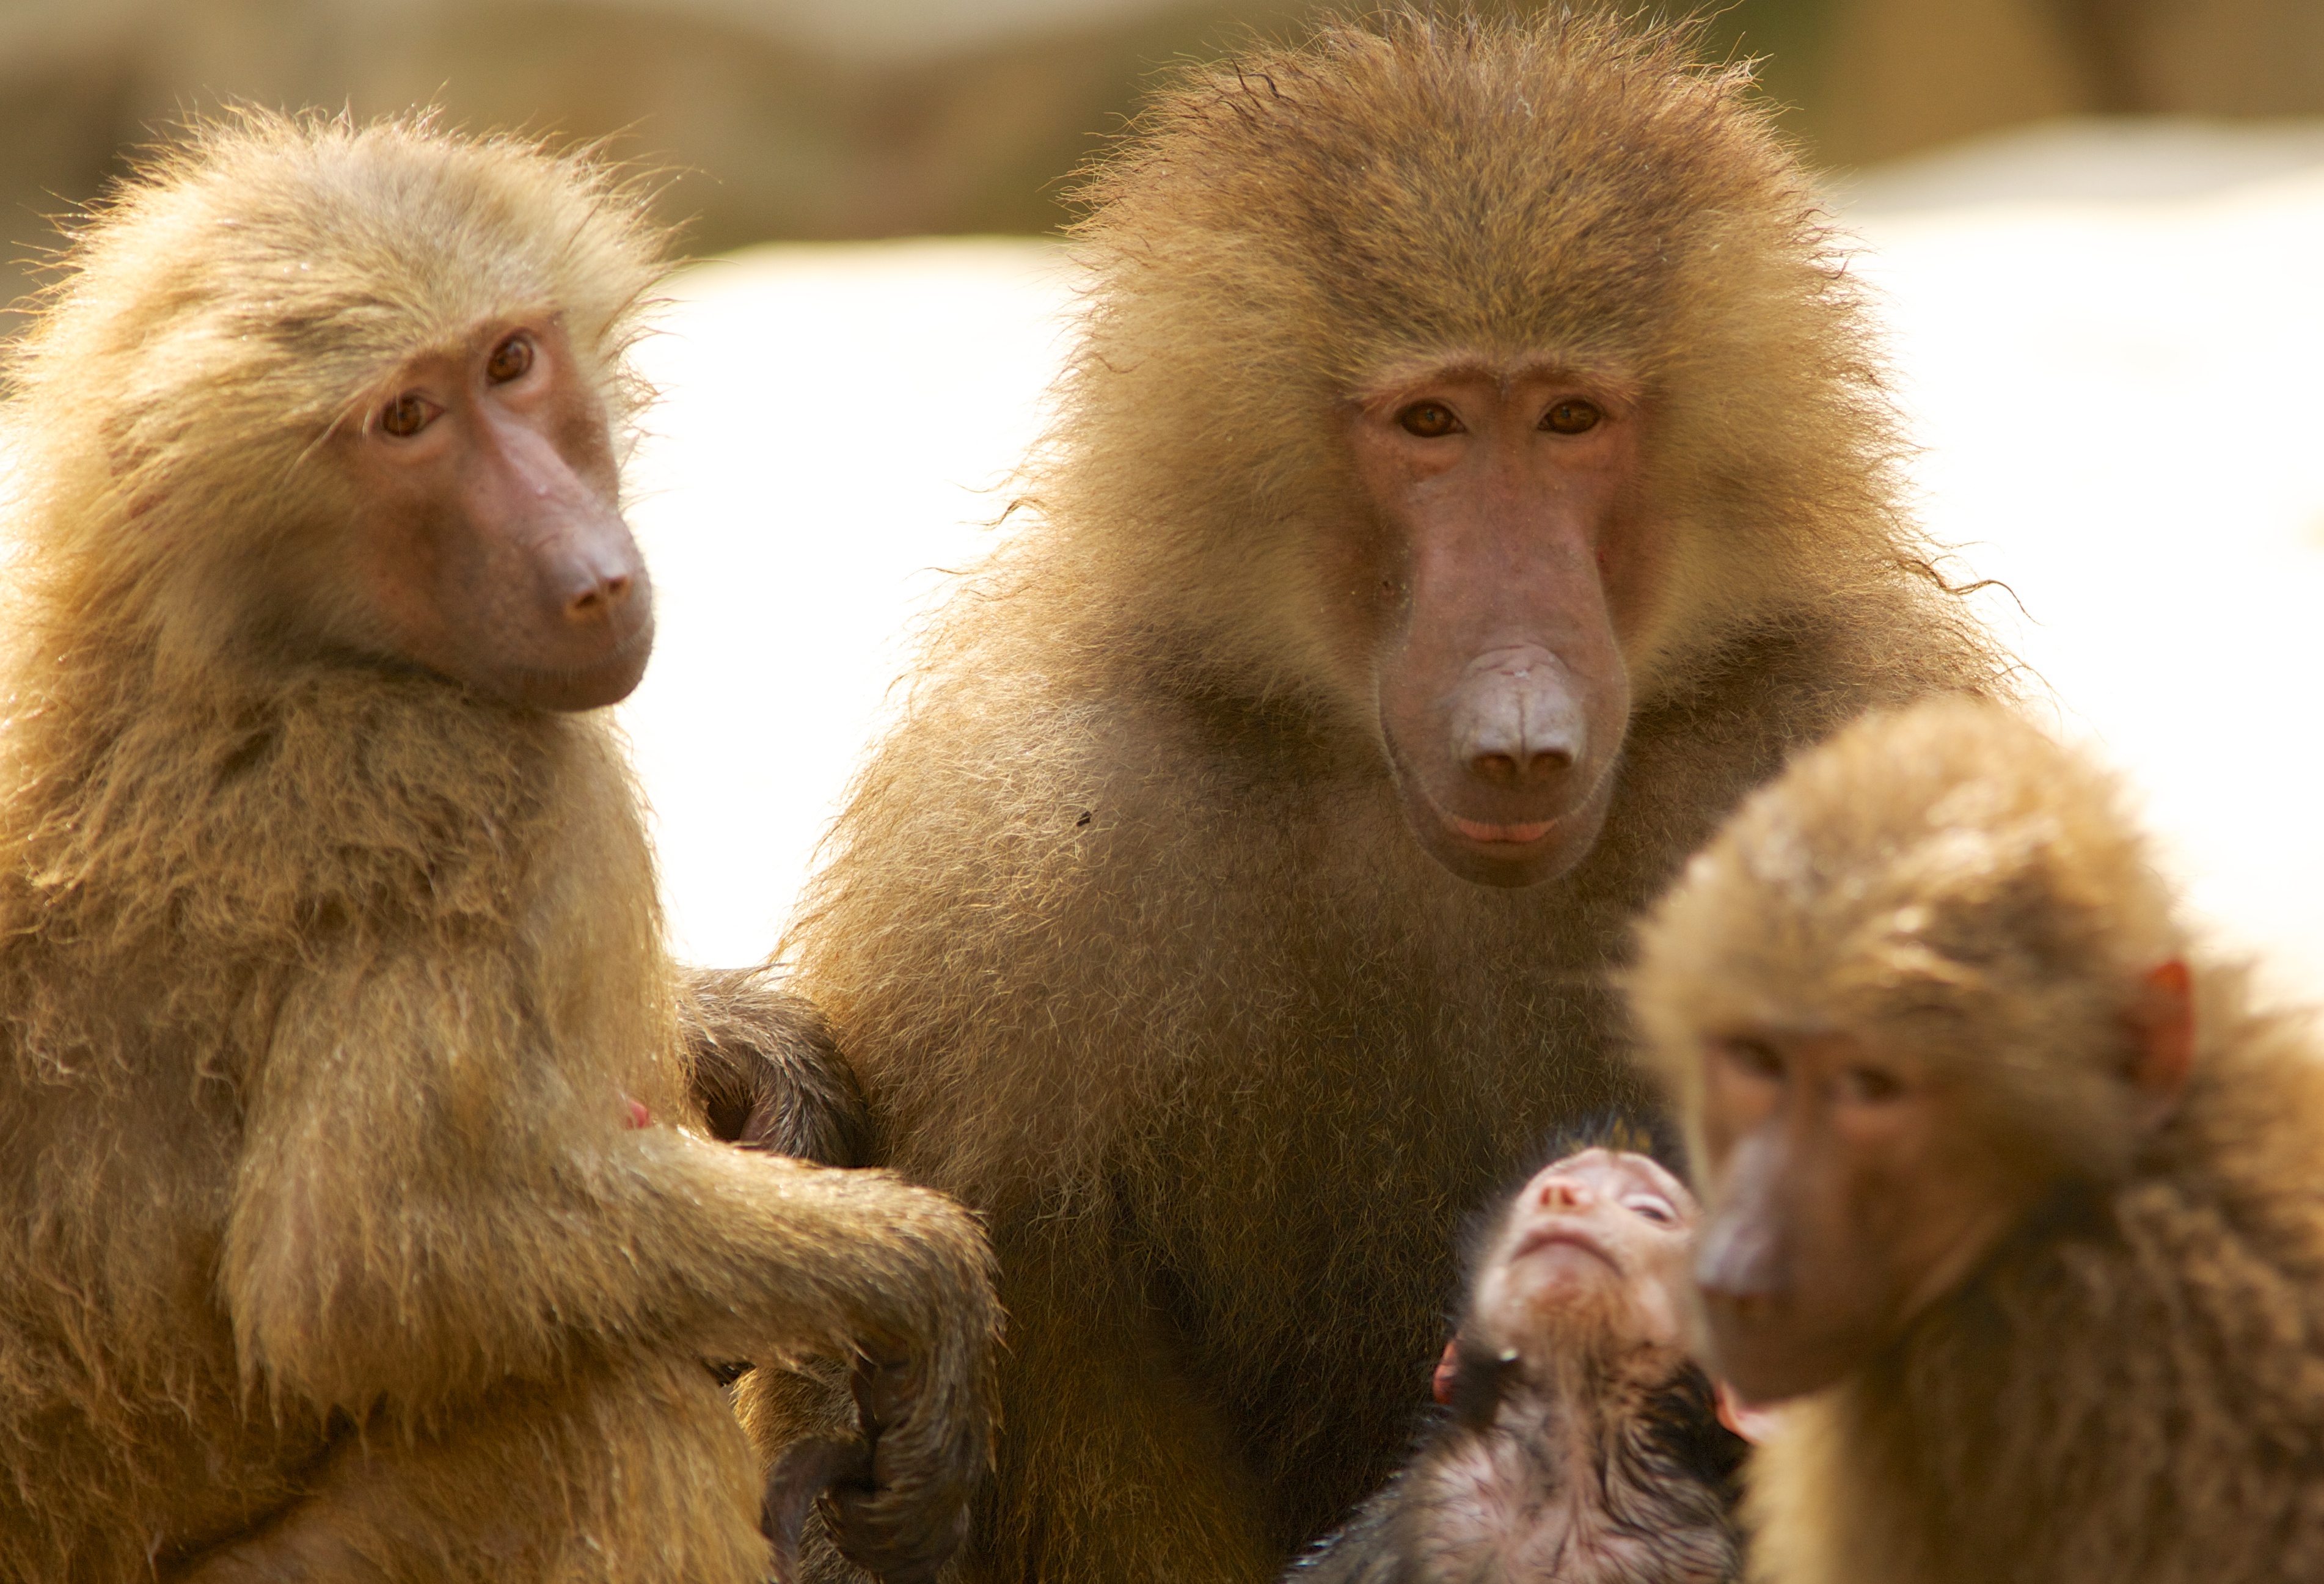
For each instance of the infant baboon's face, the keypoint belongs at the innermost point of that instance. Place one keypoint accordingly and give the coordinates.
(1603, 1233)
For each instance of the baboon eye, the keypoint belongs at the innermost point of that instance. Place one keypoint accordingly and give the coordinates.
(510, 360)
(407, 414)
(1572, 417)
(1869, 1086)
(1755, 1057)
(1654, 1209)
(1428, 419)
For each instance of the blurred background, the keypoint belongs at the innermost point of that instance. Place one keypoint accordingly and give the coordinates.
(2094, 230)
(825, 119)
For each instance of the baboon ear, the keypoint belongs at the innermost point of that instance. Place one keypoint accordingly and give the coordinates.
(1755, 1423)
(1447, 1375)
(2164, 1051)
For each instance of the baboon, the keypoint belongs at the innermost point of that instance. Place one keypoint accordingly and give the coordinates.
(1472, 476)
(2009, 1184)
(1579, 1444)
(357, 1223)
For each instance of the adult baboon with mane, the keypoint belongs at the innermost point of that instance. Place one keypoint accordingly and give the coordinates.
(1472, 477)
(355, 1220)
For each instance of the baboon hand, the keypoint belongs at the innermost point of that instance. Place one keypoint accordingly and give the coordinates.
(802, 1472)
(907, 1511)
(928, 1422)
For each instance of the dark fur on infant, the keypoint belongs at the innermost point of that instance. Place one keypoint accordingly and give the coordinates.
(1576, 1442)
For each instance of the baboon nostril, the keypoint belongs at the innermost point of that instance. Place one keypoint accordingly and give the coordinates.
(1516, 722)
(1518, 764)
(601, 598)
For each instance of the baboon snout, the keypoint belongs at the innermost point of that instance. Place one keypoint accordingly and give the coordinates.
(597, 595)
(594, 579)
(1739, 1256)
(1515, 721)
(1739, 1263)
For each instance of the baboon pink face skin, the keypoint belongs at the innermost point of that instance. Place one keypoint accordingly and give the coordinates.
(488, 534)
(1854, 1181)
(1850, 1186)
(1602, 1223)
(1503, 493)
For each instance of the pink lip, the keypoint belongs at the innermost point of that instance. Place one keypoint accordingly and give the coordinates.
(1512, 835)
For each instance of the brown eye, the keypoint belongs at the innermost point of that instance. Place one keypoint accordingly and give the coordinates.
(1754, 1057)
(1428, 419)
(510, 360)
(1572, 417)
(407, 415)
(1869, 1086)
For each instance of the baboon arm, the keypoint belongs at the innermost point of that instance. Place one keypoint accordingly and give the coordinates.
(425, 1207)
(768, 1072)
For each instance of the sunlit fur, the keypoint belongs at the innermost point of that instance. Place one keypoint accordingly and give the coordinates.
(324, 984)
(1123, 925)
(2133, 1386)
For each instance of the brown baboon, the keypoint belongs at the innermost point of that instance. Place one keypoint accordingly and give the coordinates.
(1472, 476)
(1579, 1444)
(354, 1224)
(2009, 1177)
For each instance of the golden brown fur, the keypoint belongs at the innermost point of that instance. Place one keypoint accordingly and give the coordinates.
(328, 1248)
(2131, 1387)
(1124, 926)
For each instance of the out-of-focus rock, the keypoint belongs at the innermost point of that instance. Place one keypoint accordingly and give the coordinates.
(835, 434)
(769, 121)
(1877, 80)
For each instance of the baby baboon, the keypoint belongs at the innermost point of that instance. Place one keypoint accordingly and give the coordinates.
(2008, 1181)
(354, 1221)
(1580, 1444)
(1471, 478)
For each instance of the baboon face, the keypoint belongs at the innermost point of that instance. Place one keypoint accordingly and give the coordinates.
(1603, 1230)
(1504, 495)
(487, 539)
(1852, 1185)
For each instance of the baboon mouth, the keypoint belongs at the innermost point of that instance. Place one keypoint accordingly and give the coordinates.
(604, 679)
(1512, 842)
(1556, 1237)
(1770, 1349)
(1501, 839)
(1503, 853)
(1476, 831)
